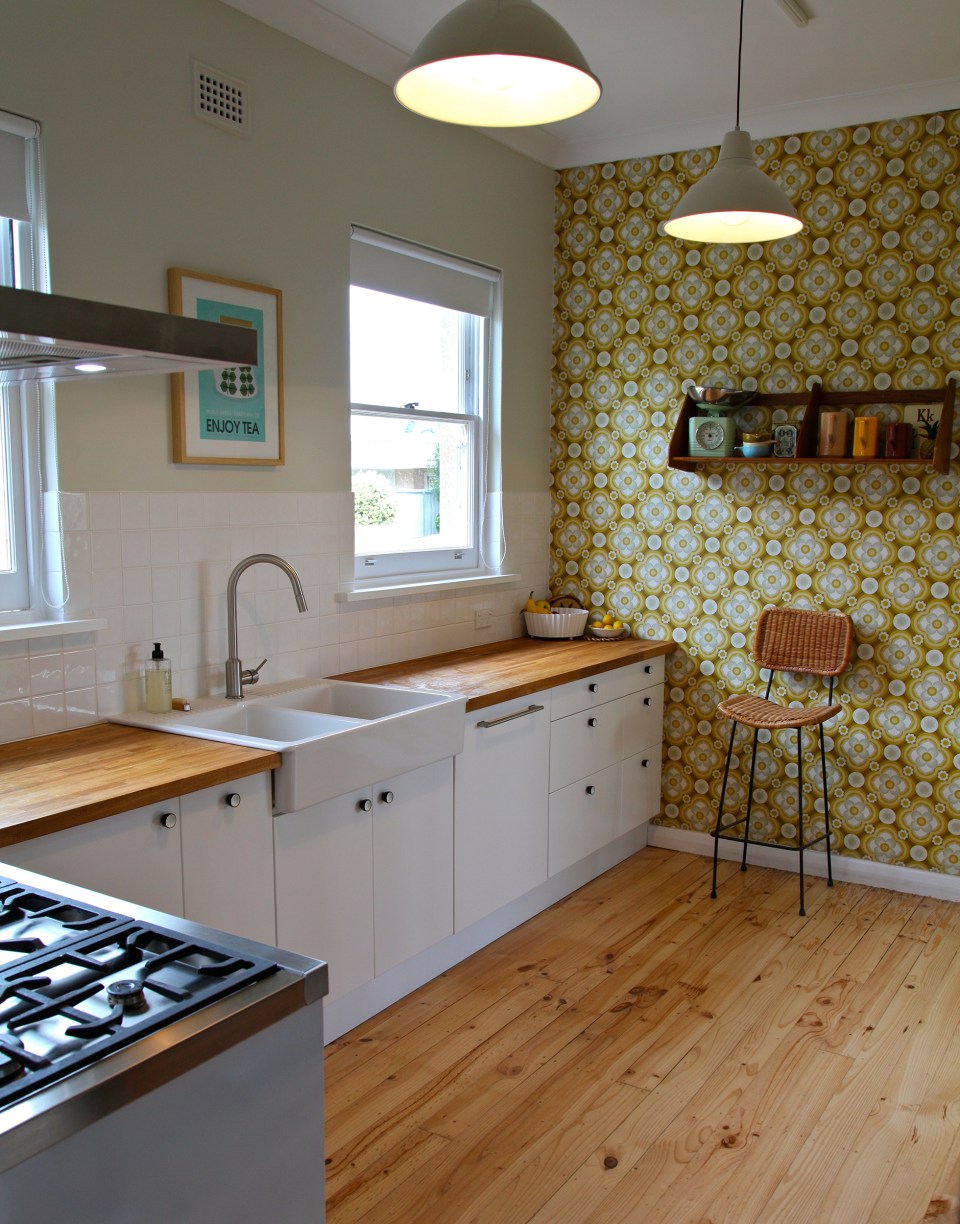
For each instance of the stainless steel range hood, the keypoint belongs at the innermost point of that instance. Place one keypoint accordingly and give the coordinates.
(45, 337)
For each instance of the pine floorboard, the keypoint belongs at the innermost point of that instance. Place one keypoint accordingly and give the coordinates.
(642, 1053)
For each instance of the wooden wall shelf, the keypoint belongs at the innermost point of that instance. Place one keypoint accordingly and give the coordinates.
(812, 403)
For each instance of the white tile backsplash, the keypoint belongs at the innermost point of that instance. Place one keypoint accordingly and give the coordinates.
(155, 565)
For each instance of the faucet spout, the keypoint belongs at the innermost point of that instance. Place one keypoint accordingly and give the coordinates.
(236, 676)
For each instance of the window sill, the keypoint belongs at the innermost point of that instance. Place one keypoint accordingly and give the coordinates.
(413, 585)
(37, 629)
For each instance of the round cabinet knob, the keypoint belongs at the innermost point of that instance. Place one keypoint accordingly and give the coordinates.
(386, 797)
(647, 669)
(168, 820)
(591, 790)
(232, 800)
(591, 722)
(365, 805)
(645, 763)
(646, 701)
(594, 688)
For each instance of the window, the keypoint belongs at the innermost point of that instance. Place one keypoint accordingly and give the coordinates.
(424, 340)
(25, 410)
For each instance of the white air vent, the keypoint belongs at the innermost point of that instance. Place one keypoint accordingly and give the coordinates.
(220, 99)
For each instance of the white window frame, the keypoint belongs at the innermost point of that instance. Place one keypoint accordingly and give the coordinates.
(29, 597)
(407, 269)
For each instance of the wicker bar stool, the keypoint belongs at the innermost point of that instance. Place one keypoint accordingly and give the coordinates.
(792, 640)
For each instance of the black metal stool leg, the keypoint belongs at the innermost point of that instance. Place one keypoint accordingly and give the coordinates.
(803, 912)
(826, 808)
(723, 792)
(746, 823)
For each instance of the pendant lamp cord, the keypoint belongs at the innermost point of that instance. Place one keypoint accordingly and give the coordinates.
(739, 62)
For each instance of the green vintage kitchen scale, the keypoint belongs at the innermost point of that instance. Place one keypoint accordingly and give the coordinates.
(713, 431)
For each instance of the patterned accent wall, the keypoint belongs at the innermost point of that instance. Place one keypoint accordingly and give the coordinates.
(866, 296)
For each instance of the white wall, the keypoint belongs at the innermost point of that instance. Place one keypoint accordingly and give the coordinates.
(137, 185)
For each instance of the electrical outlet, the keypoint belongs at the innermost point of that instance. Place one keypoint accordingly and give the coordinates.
(482, 618)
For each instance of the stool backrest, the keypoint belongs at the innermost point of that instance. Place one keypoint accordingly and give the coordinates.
(803, 640)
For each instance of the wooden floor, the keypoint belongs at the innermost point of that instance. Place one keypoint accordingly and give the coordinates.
(642, 1053)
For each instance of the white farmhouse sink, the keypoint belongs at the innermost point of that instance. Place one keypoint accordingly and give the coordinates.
(334, 735)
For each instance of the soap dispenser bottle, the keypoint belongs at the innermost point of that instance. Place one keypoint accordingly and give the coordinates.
(157, 682)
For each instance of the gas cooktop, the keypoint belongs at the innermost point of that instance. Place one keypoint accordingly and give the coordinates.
(78, 982)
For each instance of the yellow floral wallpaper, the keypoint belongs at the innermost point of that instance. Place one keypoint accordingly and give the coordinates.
(866, 296)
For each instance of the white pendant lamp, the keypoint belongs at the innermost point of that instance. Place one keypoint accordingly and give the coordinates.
(735, 201)
(498, 63)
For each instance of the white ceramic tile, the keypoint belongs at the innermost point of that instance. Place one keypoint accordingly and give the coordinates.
(16, 720)
(73, 511)
(79, 668)
(164, 511)
(135, 548)
(49, 714)
(104, 511)
(81, 707)
(137, 585)
(46, 674)
(105, 551)
(134, 511)
(164, 547)
(14, 678)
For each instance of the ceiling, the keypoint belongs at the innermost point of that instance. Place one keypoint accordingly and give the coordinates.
(668, 67)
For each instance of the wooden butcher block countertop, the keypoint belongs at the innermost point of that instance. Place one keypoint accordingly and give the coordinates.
(486, 675)
(57, 781)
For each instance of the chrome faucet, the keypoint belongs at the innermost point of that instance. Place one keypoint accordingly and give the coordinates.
(236, 676)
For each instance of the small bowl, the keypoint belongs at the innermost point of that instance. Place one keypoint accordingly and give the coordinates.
(598, 631)
(755, 450)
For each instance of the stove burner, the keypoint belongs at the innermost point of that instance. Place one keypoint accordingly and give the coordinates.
(10, 1067)
(78, 983)
(128, 994)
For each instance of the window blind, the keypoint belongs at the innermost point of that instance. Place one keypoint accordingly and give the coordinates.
(404, 269)
(15, 131)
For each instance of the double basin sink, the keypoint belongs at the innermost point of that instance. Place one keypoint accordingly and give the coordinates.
(334, 736)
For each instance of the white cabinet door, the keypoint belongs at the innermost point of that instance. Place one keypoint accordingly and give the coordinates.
(639, 789)
(584, 817)
(412, 862)
(643, 720)
(500, 806)
(324, 880)
(226, 838)
(134, 856)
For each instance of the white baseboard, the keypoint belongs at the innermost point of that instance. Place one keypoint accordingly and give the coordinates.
(856, 871)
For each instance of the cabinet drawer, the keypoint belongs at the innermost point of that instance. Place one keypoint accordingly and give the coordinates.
(639, 789)
(583, 818)
(594, 690)
(642, 720)
(585, 742)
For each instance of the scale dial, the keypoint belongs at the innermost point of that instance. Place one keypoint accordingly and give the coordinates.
(710, 434)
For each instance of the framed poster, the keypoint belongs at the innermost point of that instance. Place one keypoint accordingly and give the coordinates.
(234, 414)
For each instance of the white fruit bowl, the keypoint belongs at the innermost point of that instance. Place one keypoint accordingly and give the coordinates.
(607, 634)
(568, 623)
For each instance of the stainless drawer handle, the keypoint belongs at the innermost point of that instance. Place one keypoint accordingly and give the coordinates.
(594, 688)
(592, 722)
(168, 820)
(495, 722)
(232, 800)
